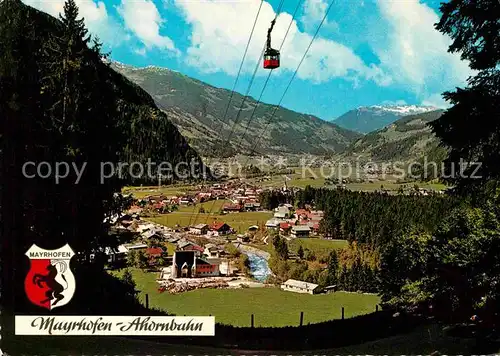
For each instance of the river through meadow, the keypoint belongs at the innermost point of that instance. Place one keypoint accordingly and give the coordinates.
(259, 268)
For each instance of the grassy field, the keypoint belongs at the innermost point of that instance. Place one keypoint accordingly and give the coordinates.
(300, 179)
(261, 246)
(271, 306)
(297, 180)
(304, 182)
(141, 192)
(319, 246)
(238, 221)
(213, 206)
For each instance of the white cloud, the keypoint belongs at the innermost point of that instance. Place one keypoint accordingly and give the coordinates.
(394, 103)
(141, 51)
(143, 19)
(96, 17)
(415, 53)
(220, 32)
(436, 100)
(314, 12)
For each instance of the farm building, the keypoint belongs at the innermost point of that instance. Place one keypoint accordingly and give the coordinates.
(190, 246)
(136, 247)
(120, 253)
(285, 228)
(301, 231)
(293, 285)
(200, 229)
(272, 224)
(153, 254)
(282, 213)
(221, 228)
(211, 250)
(152, 234)
(116, 254)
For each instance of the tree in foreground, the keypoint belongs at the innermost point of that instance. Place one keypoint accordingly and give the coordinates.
(300, 252)
(471, 127)
(455, 273)
(333, 268)
(128, 280)
(455, 269)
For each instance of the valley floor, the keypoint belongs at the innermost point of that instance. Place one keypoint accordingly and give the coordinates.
(270, 306)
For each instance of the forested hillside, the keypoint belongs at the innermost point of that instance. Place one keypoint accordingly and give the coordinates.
(408, 138)
(142, 129)
(199, 109)
(375, 219)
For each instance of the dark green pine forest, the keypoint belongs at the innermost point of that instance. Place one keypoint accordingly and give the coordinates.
(369, 221)
(60, 102)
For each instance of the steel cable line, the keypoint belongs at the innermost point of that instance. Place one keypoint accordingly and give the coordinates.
(236, 81)
(244, 99)
(242, 61)
(268, 77)
(291, 80)
(252, 79)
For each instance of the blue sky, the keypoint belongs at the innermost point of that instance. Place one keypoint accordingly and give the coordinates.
(368, 52)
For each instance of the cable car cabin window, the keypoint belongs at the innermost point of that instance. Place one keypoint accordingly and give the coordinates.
(271, 61)
(272, 58)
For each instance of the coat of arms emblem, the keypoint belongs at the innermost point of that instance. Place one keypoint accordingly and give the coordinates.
(50, 282)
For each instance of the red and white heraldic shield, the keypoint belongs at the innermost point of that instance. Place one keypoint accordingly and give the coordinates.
(50, 282)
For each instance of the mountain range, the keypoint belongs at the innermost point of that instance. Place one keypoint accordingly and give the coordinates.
(192, 120)
(366, 119)
(197, 109)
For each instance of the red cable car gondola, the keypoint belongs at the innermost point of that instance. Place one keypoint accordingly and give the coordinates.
(271, 55)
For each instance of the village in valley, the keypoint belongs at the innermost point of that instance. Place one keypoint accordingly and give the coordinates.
(236, 241)
(168, 196)
(212, 254)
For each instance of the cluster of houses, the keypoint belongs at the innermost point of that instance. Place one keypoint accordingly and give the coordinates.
(243, 197)
(298, 223)
(160, 203)
(200, 260)
(217, 228)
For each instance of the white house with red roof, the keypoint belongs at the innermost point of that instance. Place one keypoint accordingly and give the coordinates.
(285, 228)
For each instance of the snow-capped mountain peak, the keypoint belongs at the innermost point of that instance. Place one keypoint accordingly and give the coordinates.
(399, 110)
(370, 118)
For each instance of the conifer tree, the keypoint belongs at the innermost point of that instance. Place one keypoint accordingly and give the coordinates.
(300, 252)
(344, 281)
(333, 267)
(129, 282)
